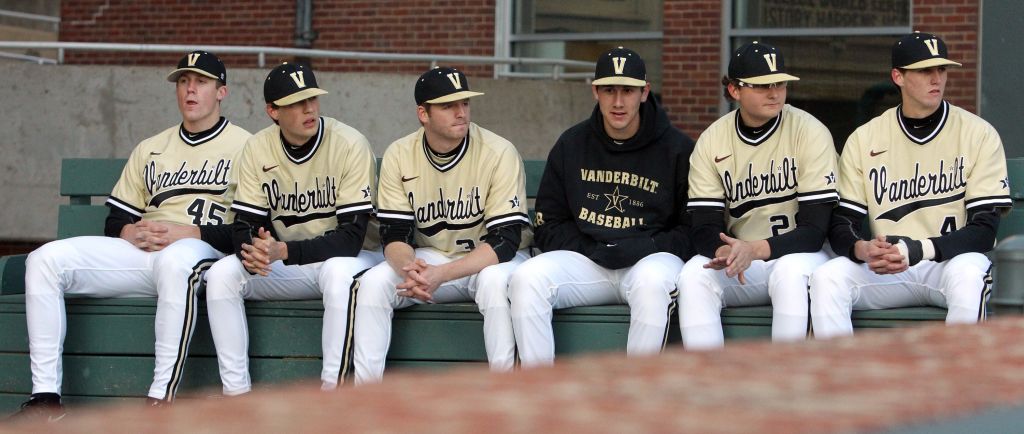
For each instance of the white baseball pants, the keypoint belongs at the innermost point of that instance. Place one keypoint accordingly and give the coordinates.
(961, 284)
(781, 282)
(378, 298)
(560, 279)
(228, 284)
(105, 267)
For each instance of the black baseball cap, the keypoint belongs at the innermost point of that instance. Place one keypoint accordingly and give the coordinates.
(200, 62)
(441, 85)
(920, 50)
(290, 83)
(620, 66)
(757, 63)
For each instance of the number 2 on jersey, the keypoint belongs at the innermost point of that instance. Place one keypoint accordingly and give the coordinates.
(214, 215)
(781, 223)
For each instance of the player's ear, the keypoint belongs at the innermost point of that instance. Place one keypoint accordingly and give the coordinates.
(734, 91)
(646, 91)
(422, 114)
(897, 76)
(272, 112)
(222, 92)
(594, 90)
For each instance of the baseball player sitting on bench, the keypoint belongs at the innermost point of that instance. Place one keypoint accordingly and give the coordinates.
(304, 201)
(931, 179)
(609, 216)
(453, 221)
(762, 188)
(174, 181)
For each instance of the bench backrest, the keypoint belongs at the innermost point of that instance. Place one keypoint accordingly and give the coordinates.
(85, 180)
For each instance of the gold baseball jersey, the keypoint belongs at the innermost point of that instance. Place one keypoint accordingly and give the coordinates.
(302, 196)
(922, 188)
(182, 178)
(759, 182)
(453, 204)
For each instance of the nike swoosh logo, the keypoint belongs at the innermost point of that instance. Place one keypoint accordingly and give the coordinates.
(719, 160)
(875, 154)
(155, 153)
(55, 419)
(267, 169)
(404, 179)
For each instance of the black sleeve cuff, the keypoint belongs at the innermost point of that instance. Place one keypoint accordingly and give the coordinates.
(505, 240)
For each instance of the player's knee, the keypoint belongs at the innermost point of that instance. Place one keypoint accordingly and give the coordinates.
(335, 270)
(528, 287)
(374, 287)
(827, 283)
(695, 281)
(48, 256)
(972, 263)
(224, 278)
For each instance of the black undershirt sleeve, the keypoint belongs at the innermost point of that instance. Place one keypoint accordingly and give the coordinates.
(116, 221)
(812, 223)
(217, 236)
(504, 240)
(346, 240)
(978, 235)
(707, 224)
(392, 230)
(844, 230)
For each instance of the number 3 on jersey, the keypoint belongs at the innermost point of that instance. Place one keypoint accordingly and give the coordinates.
(198, 209)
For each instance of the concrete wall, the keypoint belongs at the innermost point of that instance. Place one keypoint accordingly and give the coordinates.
(54, 112)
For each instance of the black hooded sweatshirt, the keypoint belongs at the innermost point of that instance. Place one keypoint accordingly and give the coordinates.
(616, 202)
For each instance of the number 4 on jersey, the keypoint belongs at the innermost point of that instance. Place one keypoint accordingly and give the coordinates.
(214, 215)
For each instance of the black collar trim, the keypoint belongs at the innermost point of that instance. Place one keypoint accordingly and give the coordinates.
(942, 114)
(302, 154)
(754, 137)
(202, 136)
(459, 152)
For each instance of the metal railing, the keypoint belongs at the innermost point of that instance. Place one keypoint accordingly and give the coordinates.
(558, 66)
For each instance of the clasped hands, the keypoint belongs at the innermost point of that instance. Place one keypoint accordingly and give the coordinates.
(153, 236)
(421, 280)
(881, 256)
(734, 257)
(264, 250)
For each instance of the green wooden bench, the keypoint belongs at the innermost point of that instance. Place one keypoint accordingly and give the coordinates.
(109, 345)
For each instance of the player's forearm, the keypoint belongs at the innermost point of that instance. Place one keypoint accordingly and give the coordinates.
(479, 258)
(707, 224)
(398, 255)
(812, 221)
(844, 232)
(218, 236)
(978, 235)
(346, 240)
(116, 221)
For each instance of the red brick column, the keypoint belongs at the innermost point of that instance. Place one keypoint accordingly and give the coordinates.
(690, 59)
(958, 23)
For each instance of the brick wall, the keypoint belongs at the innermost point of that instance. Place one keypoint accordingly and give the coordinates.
(958, 23)
(690, 59)
(458, 27)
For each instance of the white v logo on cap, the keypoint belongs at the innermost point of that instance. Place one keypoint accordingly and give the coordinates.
(456, 81)
(933, 46)
(619, 63)
(192, 59)
(772, 64)
(298, 78)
